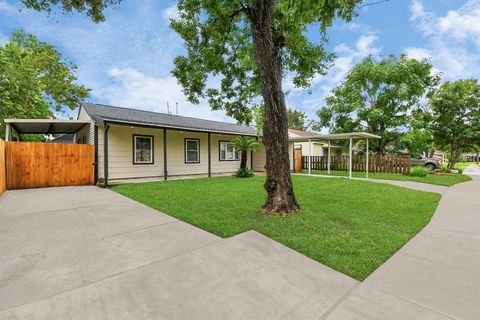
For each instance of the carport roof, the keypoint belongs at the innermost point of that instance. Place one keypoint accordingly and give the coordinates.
(45, 126)
(338, 136)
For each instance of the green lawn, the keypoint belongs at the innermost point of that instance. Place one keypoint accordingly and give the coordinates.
(441, 179)
(350, 225)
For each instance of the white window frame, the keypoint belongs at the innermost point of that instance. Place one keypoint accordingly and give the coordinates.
(197, 141)
(226, 144)
(135, 161)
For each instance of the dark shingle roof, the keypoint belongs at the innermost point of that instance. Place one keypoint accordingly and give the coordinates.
(100, 112)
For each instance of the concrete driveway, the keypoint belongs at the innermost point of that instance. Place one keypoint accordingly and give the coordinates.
(89, 253)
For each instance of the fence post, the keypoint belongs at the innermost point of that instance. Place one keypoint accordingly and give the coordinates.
(366, 162)
(309, 156)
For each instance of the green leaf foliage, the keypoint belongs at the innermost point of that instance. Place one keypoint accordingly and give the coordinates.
(35, 81)
(455, 124)
(220, 64)
(92, 8)
(378, 97)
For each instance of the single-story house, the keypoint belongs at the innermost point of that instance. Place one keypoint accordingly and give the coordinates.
(136, 144)
(132, 144)
(319, 147)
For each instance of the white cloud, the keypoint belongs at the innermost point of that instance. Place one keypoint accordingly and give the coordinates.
(170, 13)
(449, 39)
(462, 24)
(132, 88)
(6, 7)
(418, 53)
(347, 57)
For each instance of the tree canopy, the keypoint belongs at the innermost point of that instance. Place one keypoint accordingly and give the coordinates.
(34, 80)
(379, 97)
(455, 111)
(220, 63)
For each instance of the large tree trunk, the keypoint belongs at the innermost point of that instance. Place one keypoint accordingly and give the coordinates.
(281, 198)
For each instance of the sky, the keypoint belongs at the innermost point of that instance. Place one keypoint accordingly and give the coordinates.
(127, 60)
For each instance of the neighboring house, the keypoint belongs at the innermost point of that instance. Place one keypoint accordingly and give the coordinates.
(143, 144)
(319, 148)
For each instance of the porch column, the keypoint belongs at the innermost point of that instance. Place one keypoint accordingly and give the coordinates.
(328, 160)
(209, 154)
(165, 169)
(309, 156)
(366, 161)
(350, 160)
(8, 132)
(105, 154)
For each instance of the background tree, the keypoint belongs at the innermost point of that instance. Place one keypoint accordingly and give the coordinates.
(417, 142)
(248, 46)
(455, 122)
(296, 119)
(34, 80)
(378, 97)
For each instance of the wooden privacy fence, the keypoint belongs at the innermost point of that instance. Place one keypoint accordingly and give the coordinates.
(376, 163)
(3, 173)
(38, 164)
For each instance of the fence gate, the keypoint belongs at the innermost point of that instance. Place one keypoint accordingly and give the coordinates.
(39, 164)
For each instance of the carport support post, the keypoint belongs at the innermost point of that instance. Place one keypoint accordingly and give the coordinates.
(105, 154)
(350, 160)
(329, 161)
(8, 132)
(366, 161)
(309, 156)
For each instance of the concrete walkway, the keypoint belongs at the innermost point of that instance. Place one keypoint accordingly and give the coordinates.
(434, 276)
(406, 184)
(87, 253)
(472, 170)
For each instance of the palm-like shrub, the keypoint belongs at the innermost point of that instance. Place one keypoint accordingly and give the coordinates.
(244, 145)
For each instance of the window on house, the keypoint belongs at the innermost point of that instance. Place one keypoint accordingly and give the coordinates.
(228, 152)
(192, 151)
(142, 149)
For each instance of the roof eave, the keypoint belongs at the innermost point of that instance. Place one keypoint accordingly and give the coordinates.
(152, 125)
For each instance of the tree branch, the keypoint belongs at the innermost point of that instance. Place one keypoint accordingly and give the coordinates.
(372, 3)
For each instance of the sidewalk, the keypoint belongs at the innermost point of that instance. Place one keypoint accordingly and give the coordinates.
(434, 276)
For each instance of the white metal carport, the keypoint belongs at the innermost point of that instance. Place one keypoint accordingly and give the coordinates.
(337, 136)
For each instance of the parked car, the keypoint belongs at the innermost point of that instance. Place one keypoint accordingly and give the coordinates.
(429, 163)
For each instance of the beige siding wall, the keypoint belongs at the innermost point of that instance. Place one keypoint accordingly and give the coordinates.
(88, 130)
(176, 153)
(317, 149)
(224, 166)
(120, 154)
